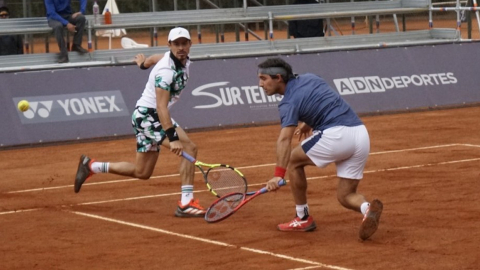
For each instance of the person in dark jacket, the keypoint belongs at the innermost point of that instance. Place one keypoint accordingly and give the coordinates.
(11, 44)
(306, 28)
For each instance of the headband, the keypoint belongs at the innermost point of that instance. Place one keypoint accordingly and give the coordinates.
(273, 71)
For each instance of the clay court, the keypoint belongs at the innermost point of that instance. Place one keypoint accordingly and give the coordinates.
(423, 166)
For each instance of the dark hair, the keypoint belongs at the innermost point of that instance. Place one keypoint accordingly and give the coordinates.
(278, 63)
(4, 8)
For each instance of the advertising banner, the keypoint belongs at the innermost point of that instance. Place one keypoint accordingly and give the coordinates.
(84, 103)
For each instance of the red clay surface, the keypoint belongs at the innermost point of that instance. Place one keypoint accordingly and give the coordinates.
(423, 166)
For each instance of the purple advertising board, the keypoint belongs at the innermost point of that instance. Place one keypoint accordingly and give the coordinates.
(84, 103)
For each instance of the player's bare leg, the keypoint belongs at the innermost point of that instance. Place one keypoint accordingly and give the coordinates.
(303, 222)
(142, 169)
(187, 206)
(347, 196)
(296, 173)
(187, 169)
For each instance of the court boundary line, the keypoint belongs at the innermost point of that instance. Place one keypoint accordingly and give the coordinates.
(205, 240)
(240, 168)
(259, 184)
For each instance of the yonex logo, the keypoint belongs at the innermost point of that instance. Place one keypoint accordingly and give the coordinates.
(42, 109)
(73, 107)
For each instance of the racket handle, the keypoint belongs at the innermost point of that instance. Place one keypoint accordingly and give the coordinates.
(188, 157)
(281, 182)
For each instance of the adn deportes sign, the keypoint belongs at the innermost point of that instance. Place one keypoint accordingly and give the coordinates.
(97, 102)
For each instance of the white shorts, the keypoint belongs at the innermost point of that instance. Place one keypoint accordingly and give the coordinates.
(348, 147)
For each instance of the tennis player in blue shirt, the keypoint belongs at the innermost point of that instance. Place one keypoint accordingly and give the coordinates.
(333, 134)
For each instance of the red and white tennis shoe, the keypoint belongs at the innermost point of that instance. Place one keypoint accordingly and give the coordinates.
(192, 209)
(371, 220)
(298, 225)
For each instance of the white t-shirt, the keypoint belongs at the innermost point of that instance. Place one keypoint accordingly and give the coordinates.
(166, 76)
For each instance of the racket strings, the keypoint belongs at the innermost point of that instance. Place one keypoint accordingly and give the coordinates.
(223, 207)
(225, 181)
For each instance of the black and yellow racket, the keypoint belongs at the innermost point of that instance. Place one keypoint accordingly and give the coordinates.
(220, 179)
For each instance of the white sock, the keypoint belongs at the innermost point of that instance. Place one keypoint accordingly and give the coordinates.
(187, 194)
(302, 210)
(364, 207)
(100, 167)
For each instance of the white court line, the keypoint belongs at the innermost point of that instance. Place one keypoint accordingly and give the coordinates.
(404, 167)
(258, 184)
(417, 148)
(240, 168)
(126, 180)
(208, 241)
(137, 198)
(19, 211)
(306, 268)
(470, 145)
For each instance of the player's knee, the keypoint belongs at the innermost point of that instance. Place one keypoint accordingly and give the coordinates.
(144, 175)
(298, 159)
(191, 148)
(293, 163)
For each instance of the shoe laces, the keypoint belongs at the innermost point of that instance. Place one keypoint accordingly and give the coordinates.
(195, 203)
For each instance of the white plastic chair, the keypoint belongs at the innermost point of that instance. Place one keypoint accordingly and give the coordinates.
(128, 43)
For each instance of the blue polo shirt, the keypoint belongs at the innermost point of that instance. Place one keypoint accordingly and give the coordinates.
(308, 98)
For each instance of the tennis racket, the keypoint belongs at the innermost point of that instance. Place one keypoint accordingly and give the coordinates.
(227, 205)
(220, 179)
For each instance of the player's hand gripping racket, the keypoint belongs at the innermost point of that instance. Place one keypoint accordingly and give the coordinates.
(229, 204)
(220, 179)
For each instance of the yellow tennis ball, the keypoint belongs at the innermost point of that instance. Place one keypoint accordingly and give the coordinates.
(23, 105)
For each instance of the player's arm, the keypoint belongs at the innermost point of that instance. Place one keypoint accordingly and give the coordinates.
(163, 98)
(283, 156)
(146, 62)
